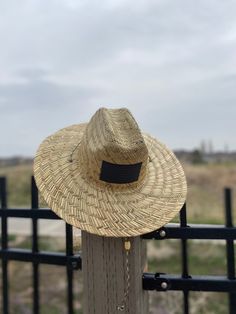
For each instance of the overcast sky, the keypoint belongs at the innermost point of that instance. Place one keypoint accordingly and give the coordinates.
(172, 63)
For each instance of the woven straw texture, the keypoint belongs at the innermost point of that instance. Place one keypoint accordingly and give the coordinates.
(67, 168)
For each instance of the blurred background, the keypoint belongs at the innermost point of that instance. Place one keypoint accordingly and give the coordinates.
(172, 63)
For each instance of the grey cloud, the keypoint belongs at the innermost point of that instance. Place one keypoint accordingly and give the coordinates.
(37, 92)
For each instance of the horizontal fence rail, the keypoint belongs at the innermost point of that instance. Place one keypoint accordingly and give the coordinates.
(193, 231)
(43, 213)
(24, 255)
(162, 282)
(183, 231)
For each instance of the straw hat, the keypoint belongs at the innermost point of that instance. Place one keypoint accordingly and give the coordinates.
(108, 178)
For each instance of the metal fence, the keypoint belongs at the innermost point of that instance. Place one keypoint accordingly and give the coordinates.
(161, 282)
(67, 259)
(185, 282)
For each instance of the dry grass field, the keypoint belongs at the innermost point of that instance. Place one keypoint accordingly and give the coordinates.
(205, 200)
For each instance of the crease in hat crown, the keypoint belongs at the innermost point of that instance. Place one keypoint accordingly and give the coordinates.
(112, 135)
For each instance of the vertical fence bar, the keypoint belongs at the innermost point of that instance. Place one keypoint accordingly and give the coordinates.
(230, 248)
(184, 247)
(69, 252)
(3, 198)
(35, 248)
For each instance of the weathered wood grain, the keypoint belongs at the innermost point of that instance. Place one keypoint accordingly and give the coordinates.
(104, 275)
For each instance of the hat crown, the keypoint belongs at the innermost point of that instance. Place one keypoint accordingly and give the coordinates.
(112, 135)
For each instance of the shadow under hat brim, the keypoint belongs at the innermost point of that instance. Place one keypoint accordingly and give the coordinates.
(108, 211)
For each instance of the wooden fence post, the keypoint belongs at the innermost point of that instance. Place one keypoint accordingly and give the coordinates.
(104, 275)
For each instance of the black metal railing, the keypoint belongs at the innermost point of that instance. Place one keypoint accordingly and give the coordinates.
(35, 256)
(184, 282)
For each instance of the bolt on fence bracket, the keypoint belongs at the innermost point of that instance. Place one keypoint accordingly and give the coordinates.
(74, 262)
(162, 233)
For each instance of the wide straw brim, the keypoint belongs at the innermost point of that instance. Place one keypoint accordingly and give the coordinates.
(108, 210)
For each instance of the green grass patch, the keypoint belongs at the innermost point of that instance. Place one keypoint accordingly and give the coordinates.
(203, 259)
(45, 243)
